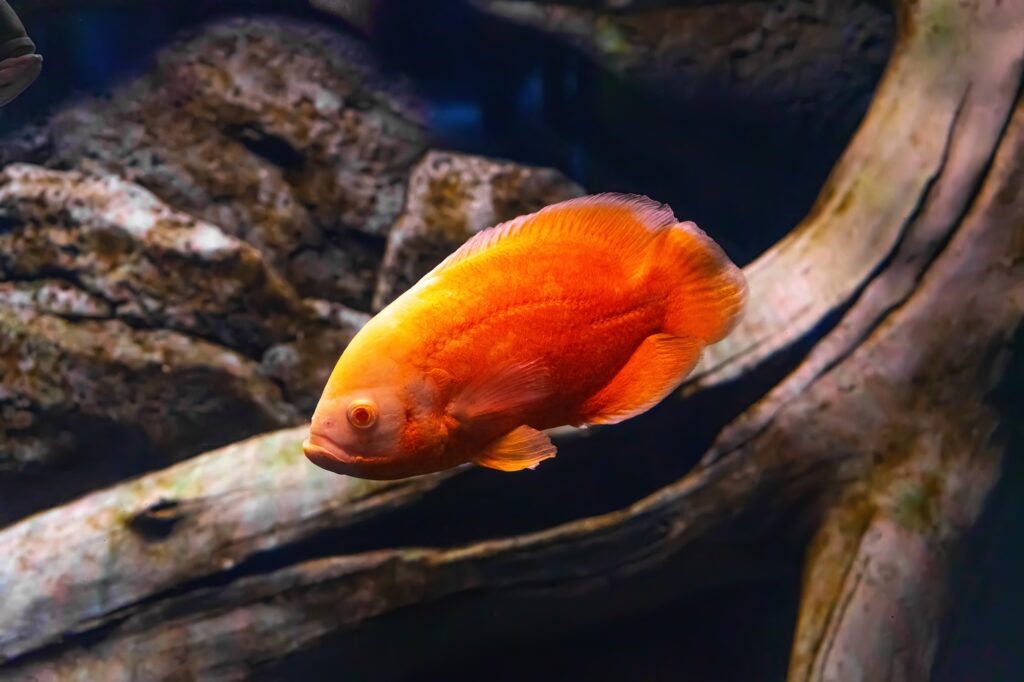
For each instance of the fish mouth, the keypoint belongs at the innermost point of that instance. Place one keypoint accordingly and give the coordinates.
(327, 454)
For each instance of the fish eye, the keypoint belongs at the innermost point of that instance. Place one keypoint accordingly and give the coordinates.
(362, 413)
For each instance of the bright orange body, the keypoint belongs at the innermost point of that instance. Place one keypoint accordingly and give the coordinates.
(529, 326)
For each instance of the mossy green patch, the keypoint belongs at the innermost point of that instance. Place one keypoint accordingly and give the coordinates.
(913, 505)
(941, 30)
(280, 452)
(610, 39)
(940, 22)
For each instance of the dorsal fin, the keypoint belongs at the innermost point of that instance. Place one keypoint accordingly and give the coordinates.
(623, 221)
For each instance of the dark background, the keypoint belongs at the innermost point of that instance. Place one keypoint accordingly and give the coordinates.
(750, 174)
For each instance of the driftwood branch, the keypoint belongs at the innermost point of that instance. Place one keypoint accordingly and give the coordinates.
(247, 562)
(915, 162)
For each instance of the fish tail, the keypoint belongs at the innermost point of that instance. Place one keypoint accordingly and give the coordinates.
(707, 292)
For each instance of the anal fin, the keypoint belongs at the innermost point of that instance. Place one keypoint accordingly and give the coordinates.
(522, 448)
(659, 365)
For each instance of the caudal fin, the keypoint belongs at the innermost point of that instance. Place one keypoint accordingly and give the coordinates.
(708, 291)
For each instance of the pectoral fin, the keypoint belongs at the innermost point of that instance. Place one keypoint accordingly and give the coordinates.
(502, 390)
(659, 365)
(523, 448)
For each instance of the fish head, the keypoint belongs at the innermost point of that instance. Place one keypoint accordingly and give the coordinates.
(377, 419)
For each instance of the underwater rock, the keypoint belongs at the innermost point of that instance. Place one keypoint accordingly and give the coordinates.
(181, 264)
(54, 297)
(301, 366)
(124, 319)
(279, 132)
(152, 267)
(167, 247)
(818, 59)
(117, 310)
(62, 380)
(451, 197)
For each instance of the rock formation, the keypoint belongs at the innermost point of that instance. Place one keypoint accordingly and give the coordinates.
(182, 264)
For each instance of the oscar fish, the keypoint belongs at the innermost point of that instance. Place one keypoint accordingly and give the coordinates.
(589, 311)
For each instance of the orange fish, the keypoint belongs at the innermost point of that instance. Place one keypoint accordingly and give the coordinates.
(590, 311)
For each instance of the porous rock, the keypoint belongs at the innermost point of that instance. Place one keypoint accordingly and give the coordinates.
(452, 197)
(279, 132)
(61, 379)
(152, 266)
(302, 365)
(115, 309)
(182, 263)
(132, 335)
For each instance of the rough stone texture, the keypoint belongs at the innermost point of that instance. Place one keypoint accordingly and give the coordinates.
(451, 198)
(53, 297)
(62, 382)
(302, 366)
(116, 310)
(808, 57)
(278, 132)
(153, 267)
(182, 263)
